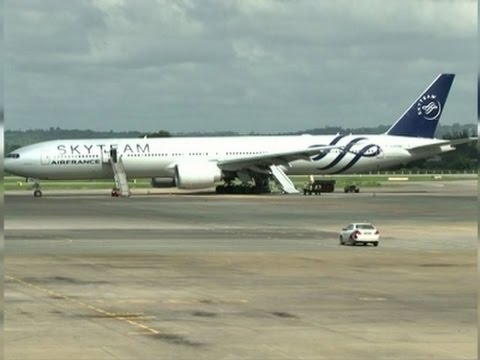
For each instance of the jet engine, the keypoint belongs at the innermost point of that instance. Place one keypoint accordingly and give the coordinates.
(162, 182)
(197, 175)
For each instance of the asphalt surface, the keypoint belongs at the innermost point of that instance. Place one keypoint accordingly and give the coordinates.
(183, 276)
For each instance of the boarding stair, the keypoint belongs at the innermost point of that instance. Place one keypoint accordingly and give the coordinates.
(120, 177)
(283, 180)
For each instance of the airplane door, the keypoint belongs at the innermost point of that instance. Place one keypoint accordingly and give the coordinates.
(114, 153)
(110, 154)
(45, 158)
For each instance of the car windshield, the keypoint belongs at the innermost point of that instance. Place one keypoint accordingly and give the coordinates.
(365, 227)
(13, 156)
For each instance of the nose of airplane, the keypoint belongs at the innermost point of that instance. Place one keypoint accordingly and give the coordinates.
(7, 165)
(11, 166)
(14, 163)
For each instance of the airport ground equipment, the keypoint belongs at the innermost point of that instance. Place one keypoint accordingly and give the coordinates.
(283, 180)
(327, 185)
(351, 188)
(120, 176)
(318, 186)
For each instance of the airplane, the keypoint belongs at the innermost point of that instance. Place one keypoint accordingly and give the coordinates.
(198, 163)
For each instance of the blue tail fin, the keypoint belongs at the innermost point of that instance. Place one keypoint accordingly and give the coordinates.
(421, 119)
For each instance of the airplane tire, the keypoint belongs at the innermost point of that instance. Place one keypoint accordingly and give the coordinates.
(37, 193)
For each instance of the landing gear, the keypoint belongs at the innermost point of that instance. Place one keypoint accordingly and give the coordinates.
(230, 188)
(115, 192)
(260, 186)
(37, 191)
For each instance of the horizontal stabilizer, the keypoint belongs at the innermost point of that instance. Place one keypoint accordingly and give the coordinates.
(441, 144)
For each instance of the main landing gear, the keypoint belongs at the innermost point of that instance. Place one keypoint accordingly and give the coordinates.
(261, 186)
(229, 188)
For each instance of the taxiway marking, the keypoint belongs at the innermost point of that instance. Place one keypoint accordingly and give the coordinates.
(121, 317)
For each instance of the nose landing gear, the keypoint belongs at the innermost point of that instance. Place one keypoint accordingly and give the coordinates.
(37, 191)
(115, 192)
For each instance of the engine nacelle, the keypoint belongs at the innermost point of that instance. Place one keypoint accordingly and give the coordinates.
(197, 175)
(162, 182)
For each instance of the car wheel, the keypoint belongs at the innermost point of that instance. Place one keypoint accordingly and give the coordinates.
(375, 244)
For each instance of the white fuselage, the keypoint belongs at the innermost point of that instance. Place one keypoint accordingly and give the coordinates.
(157, 157)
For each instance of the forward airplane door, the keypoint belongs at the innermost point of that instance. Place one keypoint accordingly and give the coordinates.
(45, 158)
(110, 153)
(114, 153)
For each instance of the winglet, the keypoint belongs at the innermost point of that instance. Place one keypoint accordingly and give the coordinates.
(422, 117)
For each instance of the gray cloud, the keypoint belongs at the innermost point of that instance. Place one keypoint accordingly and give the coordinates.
(233, 65)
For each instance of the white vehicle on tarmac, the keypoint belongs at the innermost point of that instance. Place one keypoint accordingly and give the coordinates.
(359, 233)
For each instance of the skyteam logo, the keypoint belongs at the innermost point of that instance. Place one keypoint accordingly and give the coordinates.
(429, 107)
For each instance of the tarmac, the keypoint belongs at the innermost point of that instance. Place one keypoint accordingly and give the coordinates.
(175, 275)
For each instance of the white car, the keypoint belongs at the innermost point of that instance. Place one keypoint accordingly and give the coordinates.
(359, 233)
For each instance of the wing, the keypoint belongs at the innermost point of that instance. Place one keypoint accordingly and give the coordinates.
(273, 158)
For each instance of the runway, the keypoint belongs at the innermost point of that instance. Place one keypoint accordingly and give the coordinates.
(183, 276)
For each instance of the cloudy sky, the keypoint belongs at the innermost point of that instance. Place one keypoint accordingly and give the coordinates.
(239, 65)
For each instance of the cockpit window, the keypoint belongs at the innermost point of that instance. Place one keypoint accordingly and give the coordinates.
(13, 155)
